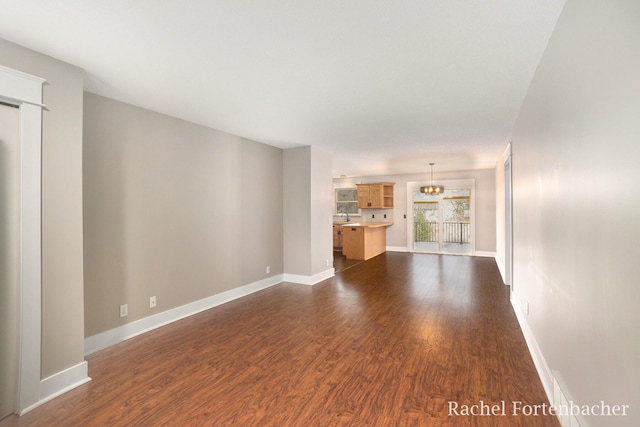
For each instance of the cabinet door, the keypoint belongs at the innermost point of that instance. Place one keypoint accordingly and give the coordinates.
(363, 196)
(337, 236)
(353, 242)
(375, 196)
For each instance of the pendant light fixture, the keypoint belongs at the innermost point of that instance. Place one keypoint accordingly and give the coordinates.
(432, 190)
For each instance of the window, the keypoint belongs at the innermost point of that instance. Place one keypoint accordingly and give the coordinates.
(347, 201)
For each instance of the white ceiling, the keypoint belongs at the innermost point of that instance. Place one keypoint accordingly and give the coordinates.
(386, 86)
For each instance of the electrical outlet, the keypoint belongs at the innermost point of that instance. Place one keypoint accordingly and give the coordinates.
(373, 216)
(124, 310)
(526, 308)
(384, 216)
(327, 262)
(152, 302)
(268, 269)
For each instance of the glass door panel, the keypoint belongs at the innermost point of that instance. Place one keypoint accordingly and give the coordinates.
(456, 221)
(442, 224)
(426, 220)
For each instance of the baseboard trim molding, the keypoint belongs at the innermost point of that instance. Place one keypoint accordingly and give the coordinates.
(486, 254)
(562, 398)
(60, 383)
(130, 330)
(501, 269)
(309, 280)
(544, 372)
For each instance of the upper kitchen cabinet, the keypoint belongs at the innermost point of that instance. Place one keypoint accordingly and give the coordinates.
(375, 195)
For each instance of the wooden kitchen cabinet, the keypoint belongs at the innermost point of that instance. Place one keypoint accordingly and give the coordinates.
(375, 195)
(337, 236)
(364, 240)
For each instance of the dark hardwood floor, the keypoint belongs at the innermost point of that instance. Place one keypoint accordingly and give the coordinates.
(387, 342)
(340, 262)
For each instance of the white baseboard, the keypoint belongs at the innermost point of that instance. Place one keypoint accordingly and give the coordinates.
(544, 372)
(60, 383)
(487, 254)
(130, 330)
(562, 398)
(501, 269)
(310, 280)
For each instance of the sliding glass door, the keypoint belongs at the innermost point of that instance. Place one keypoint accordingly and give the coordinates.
(442, 224)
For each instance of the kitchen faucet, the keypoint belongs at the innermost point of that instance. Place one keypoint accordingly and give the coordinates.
(347, 214)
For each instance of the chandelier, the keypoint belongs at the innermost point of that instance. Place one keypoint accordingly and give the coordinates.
(432, 190)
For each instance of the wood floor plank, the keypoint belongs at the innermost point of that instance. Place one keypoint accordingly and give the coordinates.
(387, 342)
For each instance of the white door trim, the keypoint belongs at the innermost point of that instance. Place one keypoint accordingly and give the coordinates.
(25, 91)
(508, 217)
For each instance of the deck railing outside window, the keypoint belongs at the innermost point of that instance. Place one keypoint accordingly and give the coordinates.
(453, 232)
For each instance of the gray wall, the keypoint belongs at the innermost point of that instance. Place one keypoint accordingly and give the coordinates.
(485, 194)
(576, 204)
(307, 211)
(321, 211)
(172, 210)
(297, 214)
(62, 262)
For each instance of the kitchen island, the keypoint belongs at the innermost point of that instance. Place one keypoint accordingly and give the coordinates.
(364, 240)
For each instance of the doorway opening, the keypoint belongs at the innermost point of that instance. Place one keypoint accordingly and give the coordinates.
(442, 223)
(25, 92)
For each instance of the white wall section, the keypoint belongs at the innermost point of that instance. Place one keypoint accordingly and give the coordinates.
(576, 203)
